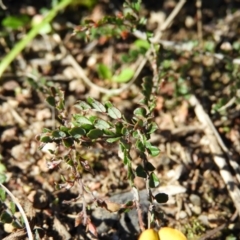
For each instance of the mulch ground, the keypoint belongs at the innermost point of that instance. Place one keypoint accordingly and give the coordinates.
(200, 204)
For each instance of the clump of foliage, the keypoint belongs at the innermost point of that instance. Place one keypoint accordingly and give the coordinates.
(103, 122)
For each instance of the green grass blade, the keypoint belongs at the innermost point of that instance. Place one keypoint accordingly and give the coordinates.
(31, 34)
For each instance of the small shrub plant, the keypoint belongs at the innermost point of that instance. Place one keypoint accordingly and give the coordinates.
(103, 122)
(98, 122)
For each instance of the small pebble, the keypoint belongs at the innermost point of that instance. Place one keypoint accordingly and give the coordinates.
(182, 215)
(197, 210)
(195, 200)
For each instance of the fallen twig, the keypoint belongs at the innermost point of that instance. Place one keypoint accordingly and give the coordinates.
(218, 155)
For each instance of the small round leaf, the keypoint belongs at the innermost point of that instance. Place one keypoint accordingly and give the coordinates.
(161, 197)
(114, 113)
(141, 172)
(95, 133)
(77, 132)
(153, 181)
(150, 167)
(101, 124)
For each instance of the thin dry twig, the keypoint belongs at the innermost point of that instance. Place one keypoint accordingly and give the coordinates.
(168, 21)
(218, 155)
(16, 116)
(18, 235)
(29, 232)
(139, 210)
(224, 148)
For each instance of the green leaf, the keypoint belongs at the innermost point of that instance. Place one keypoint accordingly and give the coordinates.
(142, 44)
(153, 150)
(124, 76)
(209, 46)
(135, 134)
(114, 113)
(12, 207)
(137, 5)
(96, 105)
(112, 140)
(6, 217)
(126, 157)
(150, 167)
(161, 197)
(109, 133)
(101, 124)
(70, 163)
(125, 145)
(104, 72)
(87, 127)
(95, 133)
(83, 105)
(108, 104)
(134, 54)
(125, 131)
(167, 64)
(131, 174)
(51, 101)
(77, 132)
(140, 112)
(46, 130)
(58, 134)
(3, 178)
(46, 139)
(47, 28)
(61, 104)
(152, 128)
(93, 119)
(64, 129)
(118, 127)
(140, 123)
(141, 172)
(68, 142)
(15, 22)
(153, 180)
(16, 223)
(140, 146)
(81, 119)
(2, 167)
(143, 21)
(147, 87)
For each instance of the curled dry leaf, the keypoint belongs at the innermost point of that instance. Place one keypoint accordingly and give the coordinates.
(86, 166)
(108, 205)
(78, 219)
(53, 164)
(92, 228)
